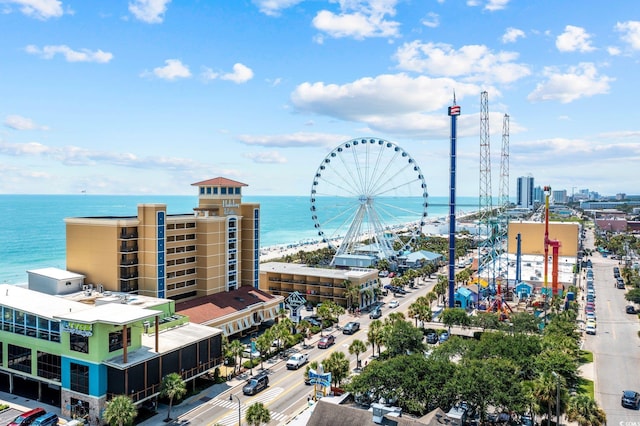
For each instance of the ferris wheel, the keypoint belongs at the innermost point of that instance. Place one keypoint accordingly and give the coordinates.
(369, 197)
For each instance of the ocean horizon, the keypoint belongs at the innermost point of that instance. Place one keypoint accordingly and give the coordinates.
(34, 234)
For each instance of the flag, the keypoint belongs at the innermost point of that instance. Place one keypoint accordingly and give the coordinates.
(454, 110)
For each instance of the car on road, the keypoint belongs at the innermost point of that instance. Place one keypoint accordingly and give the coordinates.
(630, 399)
(591, 316)
(590, 329)
(296, 361)
(351, 327)
(630, 309)
(375, 314)
(256, 384)
(326, 341)
(394, 304)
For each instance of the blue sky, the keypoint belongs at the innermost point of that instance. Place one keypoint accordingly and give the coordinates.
(149, 96)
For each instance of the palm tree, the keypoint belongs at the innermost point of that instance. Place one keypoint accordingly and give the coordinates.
(257, 414)
(338, 365)
(263, 344)
(303, 328)
(545, 392)
(585, 411)
(442, 285)
(172, 386)
(357, 347)
(236, 348)
(120, 411)
(374, 335)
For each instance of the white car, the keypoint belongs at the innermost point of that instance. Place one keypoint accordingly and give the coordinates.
(394, 304)
(296, 361)
(590, 329)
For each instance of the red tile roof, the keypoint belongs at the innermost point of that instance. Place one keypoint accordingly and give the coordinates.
(207, 308)
(219, 181)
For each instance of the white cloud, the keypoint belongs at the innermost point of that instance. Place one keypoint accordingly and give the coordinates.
(70, 55)
(173, 70)
(39, 9)
(18, 122)
(491, 5)
(149, 11)
(473, 63)
(574, 39)
(240, 74)
(293, 140)
(512, 34)
(270, 157)
(432, 20)
(273, 7)
(577, 82)
(613, 50)
(630, 33)
(359, 20)
(394, 103)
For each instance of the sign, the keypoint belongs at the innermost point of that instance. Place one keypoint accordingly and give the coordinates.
(294, 300)
(229, 207)
(322, 379)
(454, 110)
(76, 328)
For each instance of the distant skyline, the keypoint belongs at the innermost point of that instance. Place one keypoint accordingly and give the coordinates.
(150, 96)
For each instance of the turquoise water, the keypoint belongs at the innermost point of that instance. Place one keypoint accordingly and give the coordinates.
(33, 231)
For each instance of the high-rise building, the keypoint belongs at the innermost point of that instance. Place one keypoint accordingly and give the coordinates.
(214, 249)
(525, 192)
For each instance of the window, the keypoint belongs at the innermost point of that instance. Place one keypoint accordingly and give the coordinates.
(115, 340)
(79, 343)
(223, 191)
(209, 190)
(49, 366)
(19, 358)
(79, 378)
(202, 190)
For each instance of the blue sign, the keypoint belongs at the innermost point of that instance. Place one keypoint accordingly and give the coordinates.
(320, 379)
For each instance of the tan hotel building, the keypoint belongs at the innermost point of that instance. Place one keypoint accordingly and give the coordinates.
(185, 257)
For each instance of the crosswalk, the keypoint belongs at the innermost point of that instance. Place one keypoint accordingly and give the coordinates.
(231, 418)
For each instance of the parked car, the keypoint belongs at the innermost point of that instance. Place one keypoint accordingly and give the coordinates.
(375, 314)
(49, 419)
(296, 361)
(591, 316)
(351, 327)
(394, 304)
(248, 353)
(590, 329)
(27, 417)
(630, 399)
(444, 337)
(313, 320)
(256, 384)
(630, 309)
(432, 338)
(326, 341)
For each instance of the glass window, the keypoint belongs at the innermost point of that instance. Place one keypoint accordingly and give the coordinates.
(79, 378)
(79, 343)
(209, 190)
(19, 358)
(223, 190)
(49, 366)
(215, 191)
(238, 191)
(202, 190)
(115, 340)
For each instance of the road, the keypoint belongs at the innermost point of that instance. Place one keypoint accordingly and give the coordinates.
(616, 346)
(286, 396)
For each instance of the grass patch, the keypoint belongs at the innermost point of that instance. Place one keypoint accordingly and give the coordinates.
(586, 387)
(585, 357)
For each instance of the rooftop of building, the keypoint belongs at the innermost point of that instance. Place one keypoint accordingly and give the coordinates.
(206, 308)
(310, 271)
(219, 181)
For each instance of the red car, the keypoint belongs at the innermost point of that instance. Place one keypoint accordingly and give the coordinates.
(326, 341)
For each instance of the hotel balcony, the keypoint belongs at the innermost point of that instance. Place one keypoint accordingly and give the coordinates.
(128, 233)
(128, 248)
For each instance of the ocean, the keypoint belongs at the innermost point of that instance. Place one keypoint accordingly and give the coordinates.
(33, 235)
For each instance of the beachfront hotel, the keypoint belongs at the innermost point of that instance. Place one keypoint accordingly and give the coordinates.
(207, 260)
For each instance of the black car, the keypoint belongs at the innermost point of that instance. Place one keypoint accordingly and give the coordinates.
(630, 399)
(630, 309)
(256, 384)
(432, 338)
(351, 327)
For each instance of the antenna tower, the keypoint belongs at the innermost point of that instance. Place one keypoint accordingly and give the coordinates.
(486, 246)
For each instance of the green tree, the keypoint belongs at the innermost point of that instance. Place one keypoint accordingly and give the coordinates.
(375, 335)
(403, 338)
(583, 410)
(172, 386)
(263, 344)
(442, 286)
(633, 295)
(338, 365)
(120, 411)
(236, 348)
(357, 347)
(454, 316)
(257, 414)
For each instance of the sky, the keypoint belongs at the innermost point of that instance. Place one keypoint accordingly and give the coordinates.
(150, 96)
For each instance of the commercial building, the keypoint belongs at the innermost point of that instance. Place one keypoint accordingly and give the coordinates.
(78, 349)
(202, 259)
(319, 285)
(525, 192)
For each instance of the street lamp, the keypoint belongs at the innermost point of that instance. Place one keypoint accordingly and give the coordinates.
(239, 415)
(557, 397)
